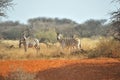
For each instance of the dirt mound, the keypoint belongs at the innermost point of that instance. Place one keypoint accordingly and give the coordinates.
(83, 69)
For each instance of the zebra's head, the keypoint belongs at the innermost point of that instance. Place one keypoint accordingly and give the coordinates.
(22, 39)
(59, 36)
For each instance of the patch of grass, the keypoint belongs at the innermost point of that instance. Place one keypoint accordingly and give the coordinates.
(91, 48)
(20, 74)
(106, 48)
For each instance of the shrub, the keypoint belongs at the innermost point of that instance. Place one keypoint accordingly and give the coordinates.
(106, 48)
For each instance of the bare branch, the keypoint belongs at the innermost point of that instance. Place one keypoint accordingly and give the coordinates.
(4, 5)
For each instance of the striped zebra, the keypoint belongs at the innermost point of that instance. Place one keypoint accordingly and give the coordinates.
(29, 42)
(69, 42)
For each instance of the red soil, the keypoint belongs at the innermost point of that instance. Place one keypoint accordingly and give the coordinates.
(82, 69)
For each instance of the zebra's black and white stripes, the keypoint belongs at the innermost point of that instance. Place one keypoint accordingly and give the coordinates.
(28, 42)
(69, 42)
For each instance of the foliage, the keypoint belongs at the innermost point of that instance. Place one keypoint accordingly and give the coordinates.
(116, 22)
(48, 27)
(4, 5)
(92, 28)
(49, 35)
(106, 48)
(11, 34)
(11, 30)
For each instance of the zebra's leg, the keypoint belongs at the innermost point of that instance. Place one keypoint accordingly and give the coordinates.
(20, 44)
(38, 49)
(25, 47)
(69, 50)
(61, 49)
(79, 46)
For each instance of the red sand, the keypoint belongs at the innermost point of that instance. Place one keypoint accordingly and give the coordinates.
(82, 69)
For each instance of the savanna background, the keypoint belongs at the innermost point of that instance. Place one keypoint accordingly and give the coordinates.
(99, 54)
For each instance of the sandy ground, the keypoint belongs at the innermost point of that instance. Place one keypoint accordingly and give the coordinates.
(82, 69)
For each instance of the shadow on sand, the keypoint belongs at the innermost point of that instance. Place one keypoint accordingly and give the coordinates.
(107, 71)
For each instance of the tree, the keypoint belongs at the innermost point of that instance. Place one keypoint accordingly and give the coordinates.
(116, 22)
(4, 5)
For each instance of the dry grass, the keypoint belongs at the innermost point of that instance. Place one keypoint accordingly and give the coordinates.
(106, 48)
(92, 47)
(88, 44)
(20, 74)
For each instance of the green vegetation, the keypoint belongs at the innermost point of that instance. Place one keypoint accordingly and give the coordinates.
(48, 27)
(45, 30)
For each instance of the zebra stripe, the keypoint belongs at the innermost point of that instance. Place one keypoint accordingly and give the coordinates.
(29, 42)
(69, 42)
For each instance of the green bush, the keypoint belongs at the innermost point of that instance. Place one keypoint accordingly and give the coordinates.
(50, 34)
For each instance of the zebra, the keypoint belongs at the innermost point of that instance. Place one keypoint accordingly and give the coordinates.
(29, 42)
(69, 42)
